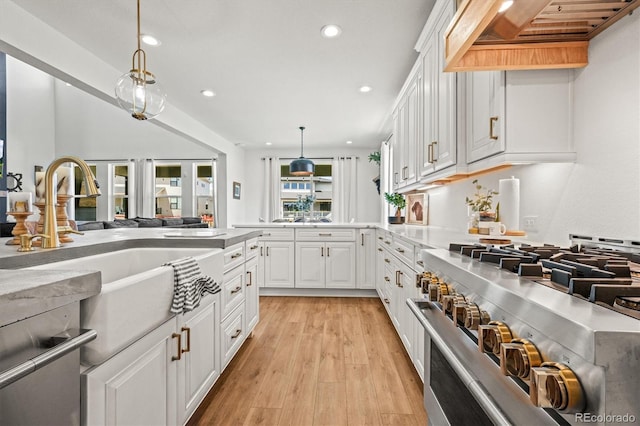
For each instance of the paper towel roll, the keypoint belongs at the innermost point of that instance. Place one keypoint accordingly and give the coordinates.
(509, 194)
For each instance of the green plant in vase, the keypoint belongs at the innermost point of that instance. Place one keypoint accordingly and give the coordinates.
(481, 204)
(398, 201)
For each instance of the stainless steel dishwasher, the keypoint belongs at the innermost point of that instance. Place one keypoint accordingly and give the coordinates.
(40, 368)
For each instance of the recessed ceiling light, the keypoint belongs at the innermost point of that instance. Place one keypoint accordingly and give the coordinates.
(349, 142)
(505, 5)
(365, 89)
(68, 84)
(150, 40)
(208, 93)
(331, 31)
(268, 143)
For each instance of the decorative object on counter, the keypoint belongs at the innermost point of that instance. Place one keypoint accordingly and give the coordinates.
(61, 214)
(14, 182)
(137, 90)
(64, 175)
(20, 227)
(236, 190)
(418, 211)
(375, 157)
(481, 206)
(40, 206)
(509, 190)
(491, 228)
(39, 180)
(302, 166)
(398, 201)
(20, 202)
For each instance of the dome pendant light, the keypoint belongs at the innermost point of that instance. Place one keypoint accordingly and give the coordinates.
(138, 91)
(301, 166)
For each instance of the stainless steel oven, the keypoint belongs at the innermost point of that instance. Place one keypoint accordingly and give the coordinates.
(40, 368)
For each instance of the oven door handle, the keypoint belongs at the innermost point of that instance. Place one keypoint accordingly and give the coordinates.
(61, 349)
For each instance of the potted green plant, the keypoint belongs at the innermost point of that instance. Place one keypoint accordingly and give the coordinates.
(375, 157)
(400, 203)
(481, 204)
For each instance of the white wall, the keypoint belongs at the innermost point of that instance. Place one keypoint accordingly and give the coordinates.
(367, 196)
(30, 120)
(600, 193)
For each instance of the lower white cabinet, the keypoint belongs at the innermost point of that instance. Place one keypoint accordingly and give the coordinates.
(366, 262)
(277, 257)
(325, 265)
(252, 297)
(233, 334)
(161, 378)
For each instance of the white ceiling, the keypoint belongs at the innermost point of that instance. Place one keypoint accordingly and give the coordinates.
(265, 59)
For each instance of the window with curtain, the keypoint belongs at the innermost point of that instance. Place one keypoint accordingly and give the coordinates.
(168, 189)
(294, 191)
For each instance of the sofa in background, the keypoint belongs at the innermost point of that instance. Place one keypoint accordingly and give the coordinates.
(144, 222)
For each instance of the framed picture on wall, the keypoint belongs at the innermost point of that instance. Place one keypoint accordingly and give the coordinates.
(236, 190)
(417, 209)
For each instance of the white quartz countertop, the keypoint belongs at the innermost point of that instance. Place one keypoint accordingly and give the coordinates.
(264, 225)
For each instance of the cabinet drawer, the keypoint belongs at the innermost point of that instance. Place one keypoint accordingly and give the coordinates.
(383, 237)
(277, 234)
(333, 234)
(403, 250)
(251, 248)
(233, 290)
(233, 334)
(233, 256)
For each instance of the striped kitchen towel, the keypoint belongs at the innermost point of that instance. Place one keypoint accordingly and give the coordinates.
(189, 284)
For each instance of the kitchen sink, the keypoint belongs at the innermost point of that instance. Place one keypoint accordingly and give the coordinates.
(136, 293)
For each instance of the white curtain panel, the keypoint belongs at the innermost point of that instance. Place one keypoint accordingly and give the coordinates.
(344, 189)
(145, 185)
(270, 206)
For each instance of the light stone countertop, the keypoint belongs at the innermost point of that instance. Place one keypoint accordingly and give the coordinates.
(25, 293)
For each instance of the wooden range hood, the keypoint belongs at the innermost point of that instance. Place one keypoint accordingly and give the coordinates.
(531, 34)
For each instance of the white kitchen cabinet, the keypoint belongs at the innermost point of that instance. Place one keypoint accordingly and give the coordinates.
(438, 146)
(232, 290)
(278, 259)
(518, 116)
(252, 297)
(325, 265)
(162, 377)
(366, 262)
(407, 130)
(233, 334)
(199, 367)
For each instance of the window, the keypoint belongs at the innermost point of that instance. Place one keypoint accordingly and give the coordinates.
(295, 189)
(121, 191)
(168, 190)
(85, 207)
(204, 192)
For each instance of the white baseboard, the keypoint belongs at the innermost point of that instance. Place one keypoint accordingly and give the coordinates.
(318, 292)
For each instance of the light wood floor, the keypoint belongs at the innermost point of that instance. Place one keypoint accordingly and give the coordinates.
(318, 361)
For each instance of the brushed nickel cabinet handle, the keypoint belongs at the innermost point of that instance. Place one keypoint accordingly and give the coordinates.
(253, 247)
(324, 234)
(420, 262)
(434, 159)
(267, 250)
(179, 337)
(387, 260)
(236, 255)
(387, 242)
(395, 178)
(492, 121)
(261, 251)
(327, 251)
(321, 251)
(235, 290)
(250, 280)
(387, 279)
(397, 279)
(386, 300)
(188, 330)
(380, 238)
(238, 332)
(379, 249)
(400, 250)
(400, 279)
(362, 240)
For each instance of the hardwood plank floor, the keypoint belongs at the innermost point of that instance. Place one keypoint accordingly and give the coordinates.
(318, 361)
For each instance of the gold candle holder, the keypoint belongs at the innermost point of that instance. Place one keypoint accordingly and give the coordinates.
(19, 229)
(62, 220)
(40, 225)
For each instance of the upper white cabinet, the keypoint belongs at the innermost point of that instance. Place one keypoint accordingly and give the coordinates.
(407, 128)
(437, 147)
(518, 117)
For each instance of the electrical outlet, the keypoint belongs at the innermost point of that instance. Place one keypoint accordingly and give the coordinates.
(530, 223)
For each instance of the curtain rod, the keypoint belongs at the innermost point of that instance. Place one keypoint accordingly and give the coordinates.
(314, 158)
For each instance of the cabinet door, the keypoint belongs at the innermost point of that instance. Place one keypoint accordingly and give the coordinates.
(396, 148)
(445, 100)
(366, 264)
(310, 264)
(137, 385)
(485, 91)
(340, 265)
(406, 289)
(232, 290)
(411, 129)
(252, 297)
(278, 264)
(428, 142)
(380, 270)
(261, 273)
(200, 364)
(233, 335)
